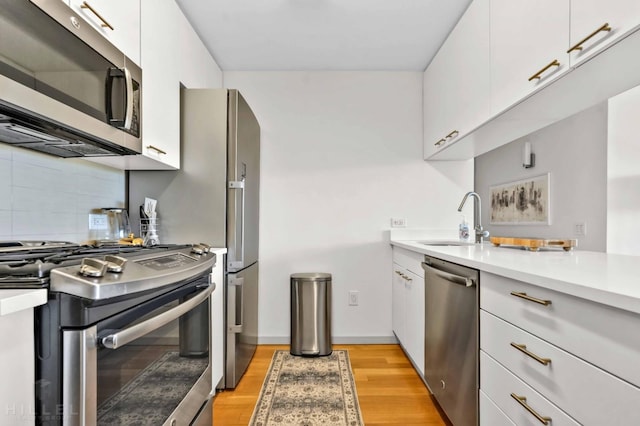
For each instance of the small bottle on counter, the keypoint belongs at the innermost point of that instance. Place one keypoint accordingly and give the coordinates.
(463, 230)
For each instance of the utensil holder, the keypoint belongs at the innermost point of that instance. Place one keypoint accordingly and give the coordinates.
(149, 231)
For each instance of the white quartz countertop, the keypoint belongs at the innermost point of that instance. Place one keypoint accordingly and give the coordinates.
(609, 279)
(17, 300)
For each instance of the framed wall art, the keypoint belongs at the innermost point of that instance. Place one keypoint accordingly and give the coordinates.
(523, 202)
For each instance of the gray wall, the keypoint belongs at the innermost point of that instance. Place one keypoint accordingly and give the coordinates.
(574, 152)
(49, 198)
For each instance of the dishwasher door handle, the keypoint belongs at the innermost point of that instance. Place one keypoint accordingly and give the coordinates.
(456, 279)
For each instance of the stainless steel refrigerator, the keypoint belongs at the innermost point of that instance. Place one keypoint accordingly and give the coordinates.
(214, 199)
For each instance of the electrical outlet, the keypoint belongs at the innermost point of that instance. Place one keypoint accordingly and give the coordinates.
(398, 222)
(98, 222)
(580, 229)
(353, 298)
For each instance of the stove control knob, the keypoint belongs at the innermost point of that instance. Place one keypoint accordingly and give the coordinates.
(198, 249)
(205, 247)
(115, 264)
(93, 267)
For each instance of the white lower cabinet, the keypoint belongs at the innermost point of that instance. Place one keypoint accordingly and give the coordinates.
(217, 323)
(585, 392)
(17, 356)
(408, 305)
(573, 360)
(519, 401)
(490, 414)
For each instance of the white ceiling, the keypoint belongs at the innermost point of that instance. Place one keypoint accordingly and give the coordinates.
(283, 35)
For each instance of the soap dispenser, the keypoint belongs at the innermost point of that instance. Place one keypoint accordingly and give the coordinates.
(463, 230)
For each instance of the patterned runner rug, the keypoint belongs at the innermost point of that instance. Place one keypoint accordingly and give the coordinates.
(305, 391)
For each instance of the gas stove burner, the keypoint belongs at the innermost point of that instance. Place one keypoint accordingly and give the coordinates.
(33, 245)
(29, 263)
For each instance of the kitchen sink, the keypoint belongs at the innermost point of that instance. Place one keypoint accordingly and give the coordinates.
(445, 243)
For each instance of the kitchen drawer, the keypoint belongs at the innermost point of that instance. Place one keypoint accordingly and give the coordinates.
(499, 384)
(410, 260)
(587, 393)
(490, 414)
(602, 335)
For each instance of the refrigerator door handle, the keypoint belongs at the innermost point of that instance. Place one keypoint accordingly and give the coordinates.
(238, 283)
(238, 262)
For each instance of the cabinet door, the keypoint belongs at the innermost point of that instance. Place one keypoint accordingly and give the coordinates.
(397, 307)
(528, 38)
(414, 319)
(116, 20)
(161, 84)
(589, 19)
(456, 87)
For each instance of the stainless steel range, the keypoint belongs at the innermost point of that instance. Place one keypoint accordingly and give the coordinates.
(125, 335)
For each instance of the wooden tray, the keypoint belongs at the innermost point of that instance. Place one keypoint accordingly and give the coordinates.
(534, 244)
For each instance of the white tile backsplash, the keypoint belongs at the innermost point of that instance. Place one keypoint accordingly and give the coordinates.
(46, 197)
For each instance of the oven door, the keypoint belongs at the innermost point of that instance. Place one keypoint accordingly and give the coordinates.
(147, 365)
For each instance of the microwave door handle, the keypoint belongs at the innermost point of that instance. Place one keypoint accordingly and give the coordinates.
(126, 121)
(128, 118)
(127, 335)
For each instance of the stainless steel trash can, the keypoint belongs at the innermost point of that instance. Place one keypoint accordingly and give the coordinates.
(311, 314)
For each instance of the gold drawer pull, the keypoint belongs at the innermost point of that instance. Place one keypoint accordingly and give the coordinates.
(578, 45)
(158, 150)
(453, 134)
(523, 349)
(440, 142)
(105, 24)
(523, 401)
(538, 75)
(530, 298)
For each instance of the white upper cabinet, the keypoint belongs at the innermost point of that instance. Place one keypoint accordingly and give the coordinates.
(528, 48)
(595, 24)
(172, 57)
(532, 44)
(456, 83)
(116, 20)
(161, 84)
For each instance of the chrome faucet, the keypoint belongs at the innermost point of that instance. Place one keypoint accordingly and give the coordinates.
(477, 217)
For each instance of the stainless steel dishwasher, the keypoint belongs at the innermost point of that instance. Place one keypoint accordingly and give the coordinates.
(451, 338)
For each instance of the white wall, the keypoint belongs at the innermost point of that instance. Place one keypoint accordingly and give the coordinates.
(46, 197)
(340, 155)
(623, 174)
(574, 151)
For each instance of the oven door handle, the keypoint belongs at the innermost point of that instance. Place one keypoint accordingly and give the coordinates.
(122, 337)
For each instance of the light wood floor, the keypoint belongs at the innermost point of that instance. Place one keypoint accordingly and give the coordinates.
(389, 390)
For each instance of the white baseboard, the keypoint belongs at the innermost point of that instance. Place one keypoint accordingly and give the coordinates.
(337, 340)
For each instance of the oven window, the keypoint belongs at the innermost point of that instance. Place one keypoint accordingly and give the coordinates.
(144, 381)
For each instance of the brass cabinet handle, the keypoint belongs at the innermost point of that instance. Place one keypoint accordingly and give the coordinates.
(530, 298)
(399, 273)
(104, 24)
(523, 401)
(538, 75)
(440, 142)
(453, 134)
(158, 150)
(578, 45)
(523, 349)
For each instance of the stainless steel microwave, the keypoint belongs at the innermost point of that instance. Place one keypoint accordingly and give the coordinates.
(64, 89)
